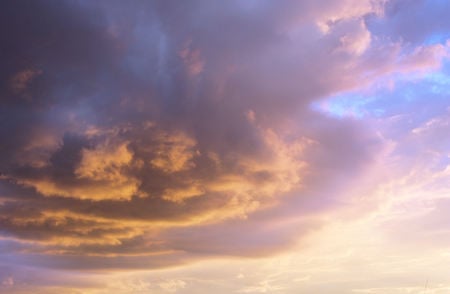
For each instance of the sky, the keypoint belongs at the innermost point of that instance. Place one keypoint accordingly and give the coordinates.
(210, 146)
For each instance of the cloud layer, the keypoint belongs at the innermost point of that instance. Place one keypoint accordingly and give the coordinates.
(151, 134)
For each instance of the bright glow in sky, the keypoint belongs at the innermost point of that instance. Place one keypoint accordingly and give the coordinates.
(225, 147)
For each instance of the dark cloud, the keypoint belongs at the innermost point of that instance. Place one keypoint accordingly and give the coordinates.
(150, 134)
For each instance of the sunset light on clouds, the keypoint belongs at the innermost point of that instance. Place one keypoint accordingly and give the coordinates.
(222, 147)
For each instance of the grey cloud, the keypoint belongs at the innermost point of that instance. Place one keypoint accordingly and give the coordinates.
(413, 21)
(173, 123)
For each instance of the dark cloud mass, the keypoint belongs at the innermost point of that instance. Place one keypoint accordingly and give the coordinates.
(149, 133)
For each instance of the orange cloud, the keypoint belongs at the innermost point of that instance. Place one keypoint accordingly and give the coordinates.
(21, 80)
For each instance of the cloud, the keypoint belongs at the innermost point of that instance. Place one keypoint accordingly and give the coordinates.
(174, 153)
(20, 81)
(155, 134)
(8, 282)
(413, 21)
